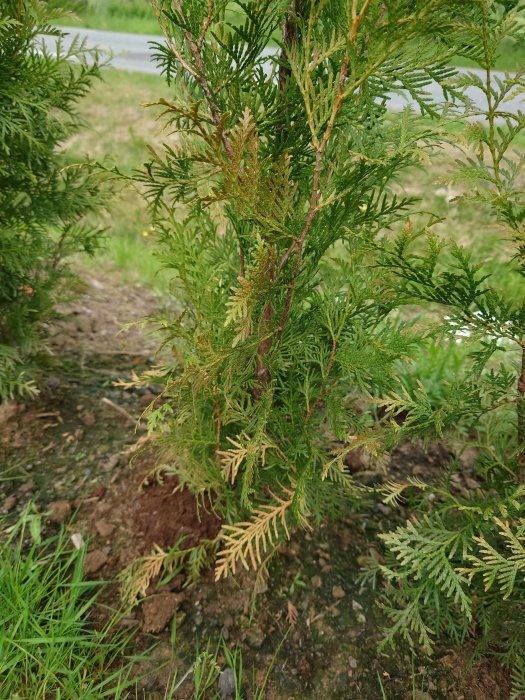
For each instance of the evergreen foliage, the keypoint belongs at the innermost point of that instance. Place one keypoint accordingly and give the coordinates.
(269, 204)
(295, 260)
(44, 196)
(459, 567)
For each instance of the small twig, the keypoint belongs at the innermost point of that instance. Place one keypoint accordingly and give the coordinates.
(357, 19)
(199, 74)
(242, 261)
(219, 422)
(520, 407)
(119, 409)
(298, 242)
(18, 17)
(206, 25)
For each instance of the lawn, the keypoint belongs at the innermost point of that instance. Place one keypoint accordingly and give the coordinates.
(118, 131)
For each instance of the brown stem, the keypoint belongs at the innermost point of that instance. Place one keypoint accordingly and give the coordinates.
(206, 25)
(242, 271)
(18, 17)
(520, 407)
(199, 74)
(298, 242)
(262, 372)
(357, 19)
(291, 34)
(219, 422)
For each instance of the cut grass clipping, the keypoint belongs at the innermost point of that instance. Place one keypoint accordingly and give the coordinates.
(48, 647)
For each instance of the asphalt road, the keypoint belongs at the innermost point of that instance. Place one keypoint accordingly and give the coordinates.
(132, 52)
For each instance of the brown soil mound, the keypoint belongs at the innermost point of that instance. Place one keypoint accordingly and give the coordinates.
(140, 513)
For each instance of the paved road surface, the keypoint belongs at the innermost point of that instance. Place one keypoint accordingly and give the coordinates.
(131, 52)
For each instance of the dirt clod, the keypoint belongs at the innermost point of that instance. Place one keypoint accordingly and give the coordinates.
(88, 419)
(316, 581)
(9, 503)
(104, 528)
(8, 410)
(159, 610)
(99, 491)
(94, 561)
(60, 511)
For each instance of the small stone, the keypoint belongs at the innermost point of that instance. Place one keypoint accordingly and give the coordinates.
(352, 662)
(104, 528)
(53, 382)
(227, 683)
(9, 504)
(338, 592)
(94, 561)
(356, 606)
(255, 637)
(60, 511)
(77, 539)
(316, 581)
(88, 419)
(128, 622)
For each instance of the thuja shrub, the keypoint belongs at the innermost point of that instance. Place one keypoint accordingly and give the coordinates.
(273, 201)
(44, 195)
(458, 567)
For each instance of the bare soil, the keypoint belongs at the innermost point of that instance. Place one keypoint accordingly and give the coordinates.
(75, 449)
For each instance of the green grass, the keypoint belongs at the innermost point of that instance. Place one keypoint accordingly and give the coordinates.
(48, 648)
(134, 16)
(51, 647)
(118, 131)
